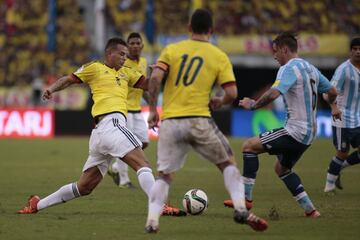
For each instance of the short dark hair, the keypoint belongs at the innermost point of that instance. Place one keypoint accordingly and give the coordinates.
(201, 21)
(355, 42)
(113, 42)
(134, 35)
(287, 39)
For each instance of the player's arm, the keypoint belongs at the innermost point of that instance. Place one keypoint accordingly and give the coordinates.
(230, 94)
(329, 94)
(59, 85)
(154, 89)
(269, 96)
(142, 83)
(146, 96)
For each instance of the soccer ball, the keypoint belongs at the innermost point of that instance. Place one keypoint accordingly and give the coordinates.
(195, 201)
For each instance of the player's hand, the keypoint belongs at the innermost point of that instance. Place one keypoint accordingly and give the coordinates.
(46, 95)
(153, 119)
(247, 103)
(336, 113)
(216, 103)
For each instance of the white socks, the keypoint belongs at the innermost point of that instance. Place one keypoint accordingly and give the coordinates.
(64, 194)
(235, 186)
(158, 197)
(146, 179)
(122, 168)
(330, 182)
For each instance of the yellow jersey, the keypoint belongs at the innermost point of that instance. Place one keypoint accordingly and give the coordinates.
(135, 94)
(109, 87)
(193, 67)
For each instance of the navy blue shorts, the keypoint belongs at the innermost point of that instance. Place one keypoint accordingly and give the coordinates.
(344, 137)
(279, 142)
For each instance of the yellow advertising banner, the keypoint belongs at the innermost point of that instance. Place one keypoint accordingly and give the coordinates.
(336, 45)
(309, 44)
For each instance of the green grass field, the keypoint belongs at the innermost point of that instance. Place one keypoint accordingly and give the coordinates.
(41, 167)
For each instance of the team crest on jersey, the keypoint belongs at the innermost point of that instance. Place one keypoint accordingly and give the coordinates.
(118, 78)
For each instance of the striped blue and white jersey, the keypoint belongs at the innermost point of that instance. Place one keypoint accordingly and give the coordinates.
(300, 83)
(347, 82)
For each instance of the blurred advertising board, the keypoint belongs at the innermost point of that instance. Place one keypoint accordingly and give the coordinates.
(73, 98)
(248, 123)
(27, 123)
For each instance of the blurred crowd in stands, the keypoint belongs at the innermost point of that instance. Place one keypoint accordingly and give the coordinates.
(25, 57)
(243, 16)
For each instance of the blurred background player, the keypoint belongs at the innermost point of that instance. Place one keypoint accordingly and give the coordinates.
(135, 121)
(299, 82)
(346, 132)
(110, 138)
(193, 67)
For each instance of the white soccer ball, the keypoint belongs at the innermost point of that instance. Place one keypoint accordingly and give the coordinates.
(195, 201)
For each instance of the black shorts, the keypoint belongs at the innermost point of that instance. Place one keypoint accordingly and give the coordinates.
(279, 142)
(344, 137)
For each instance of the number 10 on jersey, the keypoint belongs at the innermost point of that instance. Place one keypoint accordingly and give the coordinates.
(183, 77)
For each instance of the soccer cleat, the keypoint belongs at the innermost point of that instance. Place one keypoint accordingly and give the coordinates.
(151, 227)
(338, 183)
(313, 214)
(172, 211)
(114, 175)
(229, 203)
(256, 223)
(128, 185)
(31, 206)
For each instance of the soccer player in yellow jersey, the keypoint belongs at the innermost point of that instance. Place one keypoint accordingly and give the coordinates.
(110, 138)
(193, 66)
(135, 121)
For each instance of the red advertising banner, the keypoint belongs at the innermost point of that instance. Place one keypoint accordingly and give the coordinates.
(27, 123)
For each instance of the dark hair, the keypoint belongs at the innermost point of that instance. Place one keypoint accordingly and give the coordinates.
(201, 21)
(113, 42)
(134, 35)
(355, 42)
(287, 39)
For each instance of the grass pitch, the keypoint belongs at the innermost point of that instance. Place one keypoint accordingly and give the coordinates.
(41, 167)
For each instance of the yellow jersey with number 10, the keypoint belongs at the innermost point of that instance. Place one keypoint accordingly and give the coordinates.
(109, 87)
(135, 94)
(193, 67)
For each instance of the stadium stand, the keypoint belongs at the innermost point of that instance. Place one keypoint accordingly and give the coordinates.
(23, 27)
(23, 41)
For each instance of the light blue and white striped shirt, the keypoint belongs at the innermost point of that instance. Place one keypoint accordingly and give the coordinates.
(300, 82)
(347, 82)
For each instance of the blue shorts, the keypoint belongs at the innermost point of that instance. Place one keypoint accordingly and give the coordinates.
(344, 137)
(279, 142)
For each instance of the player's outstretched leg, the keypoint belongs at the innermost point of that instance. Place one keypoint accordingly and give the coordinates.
(294, 185)
(31, 206)
(64, 194)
